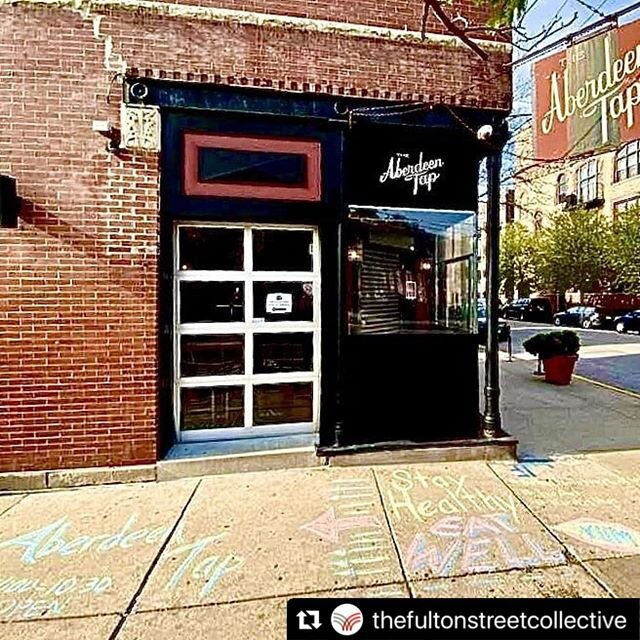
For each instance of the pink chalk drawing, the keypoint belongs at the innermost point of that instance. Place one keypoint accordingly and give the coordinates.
(605, 535)
(329, 527)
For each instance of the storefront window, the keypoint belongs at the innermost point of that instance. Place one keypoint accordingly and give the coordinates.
(410, 271)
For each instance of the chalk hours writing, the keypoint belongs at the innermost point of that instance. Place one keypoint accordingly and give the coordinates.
(54, 540)
(420, 174)
(606, 94)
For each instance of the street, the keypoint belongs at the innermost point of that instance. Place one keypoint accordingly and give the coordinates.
(605, 356)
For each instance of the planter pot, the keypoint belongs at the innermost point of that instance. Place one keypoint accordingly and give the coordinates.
(559, 369)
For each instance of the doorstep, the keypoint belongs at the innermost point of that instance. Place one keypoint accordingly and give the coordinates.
(486, 449)
(232, 456)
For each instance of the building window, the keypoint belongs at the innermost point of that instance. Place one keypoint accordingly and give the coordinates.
(410, 271)
(562, 186)
(628, 161)
(587, 179)
(626, 205)
(537, 220)
(218, 165)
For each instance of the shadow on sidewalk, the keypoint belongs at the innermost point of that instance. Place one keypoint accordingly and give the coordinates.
(549, 419)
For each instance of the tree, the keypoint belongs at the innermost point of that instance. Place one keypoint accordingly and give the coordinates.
(624, 252)
(518, 254)
(505, 11)
(573, 251)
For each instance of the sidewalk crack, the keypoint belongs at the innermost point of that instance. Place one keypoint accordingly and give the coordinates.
(396, 546)
(572, 557)
(152, 566)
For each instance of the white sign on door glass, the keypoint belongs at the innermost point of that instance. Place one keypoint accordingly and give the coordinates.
(279, 303)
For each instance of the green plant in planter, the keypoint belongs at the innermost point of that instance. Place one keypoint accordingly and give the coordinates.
(553, 343)
(558, 351)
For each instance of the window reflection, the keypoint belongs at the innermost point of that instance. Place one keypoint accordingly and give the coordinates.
(283, 403)
(277, 250)
(211, 248)
(410, 270)
(212, 355)
(282, 352)
(212, 408)
(211, 302)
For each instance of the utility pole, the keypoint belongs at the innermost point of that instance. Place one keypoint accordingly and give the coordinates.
(495, 137)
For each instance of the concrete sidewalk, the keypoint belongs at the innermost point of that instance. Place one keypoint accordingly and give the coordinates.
(218, 557)
(549, 420)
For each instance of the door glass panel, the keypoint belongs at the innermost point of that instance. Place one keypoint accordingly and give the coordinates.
(211, 302)
(282, 352)
(283, 301)
(212, 355)
(283, 403)
(457, 296)
(209, 248)
(212, 408)
(275, 250)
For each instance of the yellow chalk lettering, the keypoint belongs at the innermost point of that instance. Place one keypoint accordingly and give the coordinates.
(446, 506)
(401, 479)
(426, 509)
(405, 503)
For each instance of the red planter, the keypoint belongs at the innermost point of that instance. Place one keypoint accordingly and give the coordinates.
(558, 370)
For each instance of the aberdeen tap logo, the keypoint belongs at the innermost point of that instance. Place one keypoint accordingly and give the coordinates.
(346, 619)
(419, 174)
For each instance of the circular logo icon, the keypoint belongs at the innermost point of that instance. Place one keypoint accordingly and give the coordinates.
(346, 619)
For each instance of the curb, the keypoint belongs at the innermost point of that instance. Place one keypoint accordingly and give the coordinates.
(609, 387)
(70, 478)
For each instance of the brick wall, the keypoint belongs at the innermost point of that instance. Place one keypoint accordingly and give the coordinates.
(78, 278)
(395, 14)
(291, 59)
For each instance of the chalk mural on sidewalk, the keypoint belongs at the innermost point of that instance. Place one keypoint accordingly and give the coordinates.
(206, 570)
(28, 596)
(458, 497)
(531, 468)
(360, 547)
(611, 536)
(477, 544)
(462, 529)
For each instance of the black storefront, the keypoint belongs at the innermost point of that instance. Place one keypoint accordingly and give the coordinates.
(318, 259)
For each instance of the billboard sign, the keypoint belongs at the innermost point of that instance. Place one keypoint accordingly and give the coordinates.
(587, 97)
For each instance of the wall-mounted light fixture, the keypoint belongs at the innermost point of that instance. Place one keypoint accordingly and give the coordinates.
(106, 129)
(9, 202)
(354, 254)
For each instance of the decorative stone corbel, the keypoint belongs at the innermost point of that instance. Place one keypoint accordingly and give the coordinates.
(140, 127)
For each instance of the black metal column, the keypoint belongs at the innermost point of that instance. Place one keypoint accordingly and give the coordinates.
(339, 406)
(492, 423)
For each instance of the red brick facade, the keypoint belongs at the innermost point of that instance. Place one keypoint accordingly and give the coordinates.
(78, 278)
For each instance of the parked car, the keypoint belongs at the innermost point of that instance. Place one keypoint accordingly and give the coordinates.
(628, 322)
(504, 330)
(531, 309)
(604, 318)
(575, 317)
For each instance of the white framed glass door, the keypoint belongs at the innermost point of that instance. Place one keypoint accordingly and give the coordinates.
(246, 330)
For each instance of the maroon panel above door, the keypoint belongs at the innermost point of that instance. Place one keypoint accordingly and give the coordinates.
(251, 167)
